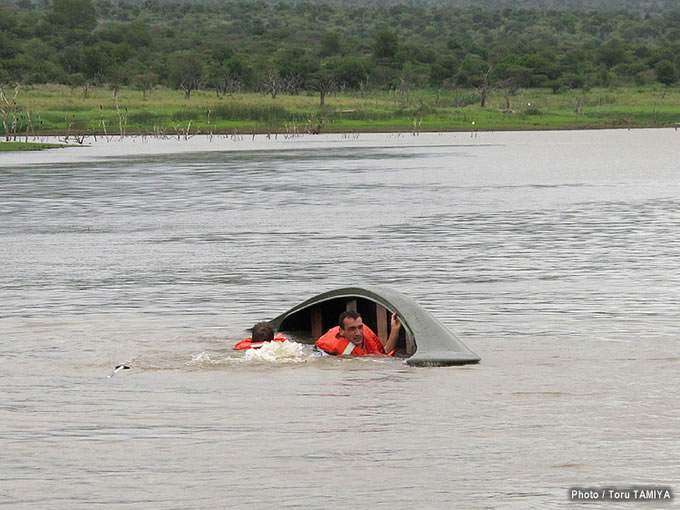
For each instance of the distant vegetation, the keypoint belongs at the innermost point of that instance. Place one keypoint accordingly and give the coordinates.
(59, 110)
(233, 46)
(447, 48)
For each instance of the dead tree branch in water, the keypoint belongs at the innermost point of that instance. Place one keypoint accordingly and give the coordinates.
(122, 118)
(8, 109)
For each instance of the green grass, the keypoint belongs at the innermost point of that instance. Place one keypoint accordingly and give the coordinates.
(28, 146)
(61, 110)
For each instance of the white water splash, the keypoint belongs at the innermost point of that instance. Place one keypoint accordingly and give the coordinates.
(200, 358)
(270, 352)
(277, 352)
(204, 359)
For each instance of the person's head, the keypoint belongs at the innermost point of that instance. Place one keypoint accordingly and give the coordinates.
(351, 327)
(263, 332)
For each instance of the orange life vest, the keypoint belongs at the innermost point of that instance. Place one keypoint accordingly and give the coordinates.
(249, 344)
(333, 343)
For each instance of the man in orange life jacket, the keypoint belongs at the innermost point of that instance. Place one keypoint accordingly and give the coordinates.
(263, 332)
(351, 336)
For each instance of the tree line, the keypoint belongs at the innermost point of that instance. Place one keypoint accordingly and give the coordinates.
(277, 47)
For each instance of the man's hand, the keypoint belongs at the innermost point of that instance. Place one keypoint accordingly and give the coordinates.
(395, 323)
(394, 334)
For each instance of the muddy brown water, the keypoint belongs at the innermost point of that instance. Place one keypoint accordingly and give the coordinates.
(554, 256)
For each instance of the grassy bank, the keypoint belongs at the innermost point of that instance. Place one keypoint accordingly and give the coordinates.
(60, 110)
(27, 146)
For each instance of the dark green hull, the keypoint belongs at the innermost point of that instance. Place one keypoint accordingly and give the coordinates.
(424, 340)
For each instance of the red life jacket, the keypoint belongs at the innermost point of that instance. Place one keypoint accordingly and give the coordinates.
(249, 344)
(333, 343)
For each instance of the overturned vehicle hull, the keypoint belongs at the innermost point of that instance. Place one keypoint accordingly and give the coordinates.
(423, 339)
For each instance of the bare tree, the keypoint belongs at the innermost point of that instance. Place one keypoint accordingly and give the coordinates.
(314, 128)
(508, 86)
(272, 83)
(484, 87)
(145, 81)
(227, 83)
(122, 117)
(8, 110)
(404, 89)
(292, 83)
(189, 84)
(325, 86)
(363, 88)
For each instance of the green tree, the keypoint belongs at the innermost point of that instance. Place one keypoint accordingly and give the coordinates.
(471, 72)
(7, 19)
(438, 73)
(541, 69)
(295, 67)
(186, 71)
(240, 67)
(666, 72)
(323, 81)
(95, 63)
(384, 76)
(349, 71)
(222, 52)
(386, 45)
(138, 34)
(443, 69)
(7, 47)
(612, 53)
(330, 44)
(508, 75)
(145, 82)
(74, 14)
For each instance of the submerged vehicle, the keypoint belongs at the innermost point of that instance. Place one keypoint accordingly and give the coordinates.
(423, 339)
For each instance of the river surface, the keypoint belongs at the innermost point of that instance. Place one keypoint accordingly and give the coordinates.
(553, 255)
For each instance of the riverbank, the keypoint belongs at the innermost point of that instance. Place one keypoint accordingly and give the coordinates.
(67, 112)
(28, 146)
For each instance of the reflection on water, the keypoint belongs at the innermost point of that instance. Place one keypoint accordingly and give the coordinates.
(552, 255)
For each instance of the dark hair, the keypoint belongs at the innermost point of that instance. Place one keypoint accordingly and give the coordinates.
(351, 314)
(263, 332)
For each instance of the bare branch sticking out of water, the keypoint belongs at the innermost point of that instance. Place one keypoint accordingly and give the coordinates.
(118, 369)
(122, 118)
(8, 107)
